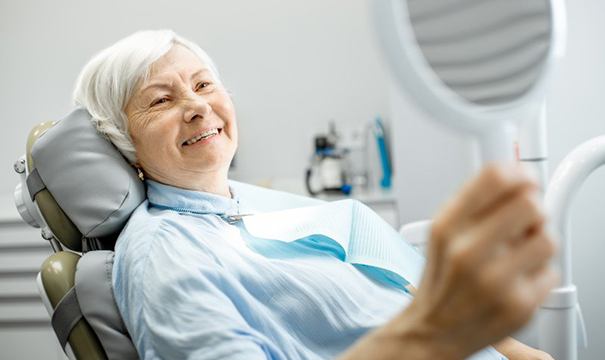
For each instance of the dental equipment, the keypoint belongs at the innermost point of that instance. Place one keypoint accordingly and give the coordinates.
(482, 67)
(561, 310)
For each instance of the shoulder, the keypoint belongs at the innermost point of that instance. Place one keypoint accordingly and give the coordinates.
(146, 219)
(155, 240)
(144, 237)
(155, 233)
(142, 230)
(154, 251)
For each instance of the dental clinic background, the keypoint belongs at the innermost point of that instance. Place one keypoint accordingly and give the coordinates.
(291, 67)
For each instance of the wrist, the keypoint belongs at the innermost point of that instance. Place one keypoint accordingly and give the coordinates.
(421, 338)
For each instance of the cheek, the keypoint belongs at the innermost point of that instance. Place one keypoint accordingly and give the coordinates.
(230, 119)
(153, 137)
(137, 136)
(226, 111)
(224, 107)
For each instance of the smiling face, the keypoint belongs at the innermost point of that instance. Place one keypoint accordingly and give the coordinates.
(182, 123)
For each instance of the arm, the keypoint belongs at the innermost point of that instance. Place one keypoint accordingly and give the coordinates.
(487, 271)
(516, 350)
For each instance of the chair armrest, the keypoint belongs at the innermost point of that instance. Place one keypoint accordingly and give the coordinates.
(417, 233)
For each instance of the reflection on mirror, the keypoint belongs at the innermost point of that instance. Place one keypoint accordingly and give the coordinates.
(488, 52)
(476, 65)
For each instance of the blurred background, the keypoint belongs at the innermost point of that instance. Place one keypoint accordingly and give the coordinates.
(293, 68)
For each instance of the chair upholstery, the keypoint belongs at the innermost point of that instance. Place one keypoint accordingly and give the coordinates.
(58, 277)
(100, 333)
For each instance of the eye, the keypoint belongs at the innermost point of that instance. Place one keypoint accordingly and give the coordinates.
(201, 85)
(159, 101)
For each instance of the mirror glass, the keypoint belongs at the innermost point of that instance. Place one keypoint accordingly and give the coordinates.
(489, 52)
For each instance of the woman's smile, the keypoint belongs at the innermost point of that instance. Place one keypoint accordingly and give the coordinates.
(204, 137)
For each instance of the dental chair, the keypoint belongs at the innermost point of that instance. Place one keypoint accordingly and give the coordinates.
(80, 191)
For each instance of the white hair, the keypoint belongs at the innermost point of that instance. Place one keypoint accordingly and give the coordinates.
(109, 79)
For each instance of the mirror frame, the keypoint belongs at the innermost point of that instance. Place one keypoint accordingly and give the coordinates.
(414, 74)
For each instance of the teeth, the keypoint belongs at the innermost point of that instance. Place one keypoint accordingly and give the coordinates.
(204, 135)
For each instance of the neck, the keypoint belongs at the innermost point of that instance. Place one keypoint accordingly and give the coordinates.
(215, 185)
(210, 182)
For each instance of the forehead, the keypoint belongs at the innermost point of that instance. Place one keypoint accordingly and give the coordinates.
(178, 60)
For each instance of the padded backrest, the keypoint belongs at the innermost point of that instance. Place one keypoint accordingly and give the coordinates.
(88, 189)
(95, 295)
(57, 275)
(80, 294)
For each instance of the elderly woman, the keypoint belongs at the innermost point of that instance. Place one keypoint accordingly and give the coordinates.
(189, 284)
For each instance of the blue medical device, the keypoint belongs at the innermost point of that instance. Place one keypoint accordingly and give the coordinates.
(383, 153)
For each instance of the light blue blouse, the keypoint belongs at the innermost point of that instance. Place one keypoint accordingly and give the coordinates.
(190, 285)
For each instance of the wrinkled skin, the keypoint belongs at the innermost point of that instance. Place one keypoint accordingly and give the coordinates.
(180, 99)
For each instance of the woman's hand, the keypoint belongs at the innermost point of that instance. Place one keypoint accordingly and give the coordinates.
(515, 350)
(487, 271)
(487, 268)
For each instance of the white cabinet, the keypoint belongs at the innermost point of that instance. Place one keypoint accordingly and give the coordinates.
(25, 331)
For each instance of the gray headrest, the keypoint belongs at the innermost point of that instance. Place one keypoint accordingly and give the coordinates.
(88, 177)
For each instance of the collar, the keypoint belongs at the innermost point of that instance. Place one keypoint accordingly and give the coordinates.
(190, 201)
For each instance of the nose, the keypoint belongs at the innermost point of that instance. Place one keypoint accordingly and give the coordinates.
(196, 106)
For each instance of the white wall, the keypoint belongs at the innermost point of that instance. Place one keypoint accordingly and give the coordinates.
(432, 162)
(291, 65)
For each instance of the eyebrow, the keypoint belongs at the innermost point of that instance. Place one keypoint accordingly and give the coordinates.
(168, 85)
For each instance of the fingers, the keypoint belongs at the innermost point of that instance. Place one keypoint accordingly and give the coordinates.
(534, 254)
(529, 293)
(513, 220)
(542, 282)
(524, 263)
(489, 243)
(504, 232)
(488, 189)
(527, 277)
(493, 208)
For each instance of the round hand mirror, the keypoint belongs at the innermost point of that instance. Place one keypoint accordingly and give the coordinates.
(477, 65)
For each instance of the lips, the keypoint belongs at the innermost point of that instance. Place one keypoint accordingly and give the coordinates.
(205, 134)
